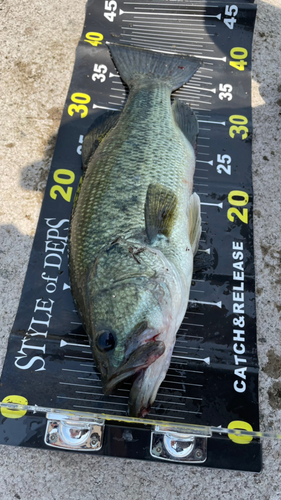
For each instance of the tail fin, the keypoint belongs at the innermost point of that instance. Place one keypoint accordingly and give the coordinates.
(136, 64)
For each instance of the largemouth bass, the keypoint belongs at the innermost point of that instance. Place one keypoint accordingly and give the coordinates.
(136, 225)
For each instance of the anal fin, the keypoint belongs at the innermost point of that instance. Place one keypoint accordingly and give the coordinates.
(194, 222)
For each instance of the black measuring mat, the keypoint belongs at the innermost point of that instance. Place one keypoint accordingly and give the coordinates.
(213, 376)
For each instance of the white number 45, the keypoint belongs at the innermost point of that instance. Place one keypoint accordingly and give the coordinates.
(230, 10)
(110, 6)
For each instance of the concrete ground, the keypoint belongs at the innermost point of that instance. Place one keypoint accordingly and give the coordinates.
(38, 41)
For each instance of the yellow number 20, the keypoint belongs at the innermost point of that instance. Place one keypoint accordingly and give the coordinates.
(238, 199)
(62, 176)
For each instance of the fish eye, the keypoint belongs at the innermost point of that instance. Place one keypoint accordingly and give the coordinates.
(105, 341)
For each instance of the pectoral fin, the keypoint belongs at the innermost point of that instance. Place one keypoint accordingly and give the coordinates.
(194, 222)
(160, 211)
(97, 132)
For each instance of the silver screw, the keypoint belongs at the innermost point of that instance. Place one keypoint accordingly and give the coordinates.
(198, 453)
(53, 437)
(158, 449)
(94, 442)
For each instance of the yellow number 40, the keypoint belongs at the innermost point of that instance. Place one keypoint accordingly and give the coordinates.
(94, 38)
(240, 54)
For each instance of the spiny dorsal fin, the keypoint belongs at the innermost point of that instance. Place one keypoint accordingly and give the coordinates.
(160, 211)
(186, 120)
(194, 222)
(97, 132)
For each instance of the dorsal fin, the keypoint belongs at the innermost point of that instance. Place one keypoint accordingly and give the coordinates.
(160, 211)
(97, 132)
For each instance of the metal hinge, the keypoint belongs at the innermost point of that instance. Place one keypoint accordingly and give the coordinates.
(71, 432)
(168, 444)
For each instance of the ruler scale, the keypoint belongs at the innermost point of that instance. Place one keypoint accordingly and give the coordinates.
(215, 356)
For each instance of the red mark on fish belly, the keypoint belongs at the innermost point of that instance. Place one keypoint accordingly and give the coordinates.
(181, 67)
(144, 411)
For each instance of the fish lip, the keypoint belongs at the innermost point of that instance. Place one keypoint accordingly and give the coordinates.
(149, 352)
(138, 408)
(114, 380)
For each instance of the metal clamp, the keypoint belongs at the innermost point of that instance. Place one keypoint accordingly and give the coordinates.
(73, 432)
(168, 444)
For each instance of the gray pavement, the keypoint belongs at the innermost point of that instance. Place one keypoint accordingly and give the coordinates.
(38, 41)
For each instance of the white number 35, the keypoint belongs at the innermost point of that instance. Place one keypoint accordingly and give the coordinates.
(225, 91)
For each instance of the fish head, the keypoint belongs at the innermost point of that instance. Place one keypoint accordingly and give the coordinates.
(135, 314)
(123, 331)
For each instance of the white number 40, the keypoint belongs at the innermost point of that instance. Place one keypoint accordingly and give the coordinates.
(110, 6)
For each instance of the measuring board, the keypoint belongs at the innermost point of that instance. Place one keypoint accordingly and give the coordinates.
(213, 376)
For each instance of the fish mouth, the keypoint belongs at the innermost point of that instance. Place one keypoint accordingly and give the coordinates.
(139, 360)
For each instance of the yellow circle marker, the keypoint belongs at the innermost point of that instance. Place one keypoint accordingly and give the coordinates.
(9, 413)
(240, 425)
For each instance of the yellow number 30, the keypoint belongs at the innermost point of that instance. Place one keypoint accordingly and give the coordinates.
(77, 108)
(240, 122)
(80, 107)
